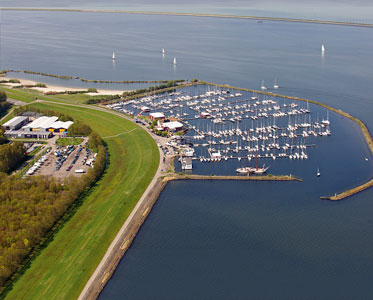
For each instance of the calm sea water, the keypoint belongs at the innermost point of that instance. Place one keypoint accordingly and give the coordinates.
(237, 52)
(247, 240)
(232, 240)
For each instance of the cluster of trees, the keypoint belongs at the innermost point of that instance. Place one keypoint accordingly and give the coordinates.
(31, 207)
(102, 99)
(79, 129)
(90, 90)
(169, 84)
(11, 156)
(3, 139)
(4, 105)
(128, 81)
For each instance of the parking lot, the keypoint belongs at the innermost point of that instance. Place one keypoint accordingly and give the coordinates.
(63, 161)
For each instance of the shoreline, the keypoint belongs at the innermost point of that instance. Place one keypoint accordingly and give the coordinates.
(51, 88)
(226, 16)
(361, 124)
(133, 223)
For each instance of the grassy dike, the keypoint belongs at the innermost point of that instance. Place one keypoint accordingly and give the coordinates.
(65, 265)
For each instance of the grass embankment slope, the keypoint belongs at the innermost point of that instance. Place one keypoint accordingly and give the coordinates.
(63, 268)
(28, 95)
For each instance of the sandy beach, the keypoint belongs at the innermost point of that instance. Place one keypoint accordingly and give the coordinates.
(59, 89)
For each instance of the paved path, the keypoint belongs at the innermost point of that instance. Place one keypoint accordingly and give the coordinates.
(14, 102)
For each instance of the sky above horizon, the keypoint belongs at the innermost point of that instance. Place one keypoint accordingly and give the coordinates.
(341, 10)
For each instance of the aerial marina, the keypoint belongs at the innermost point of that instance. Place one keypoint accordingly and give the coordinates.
(233, 154)
(226, 124)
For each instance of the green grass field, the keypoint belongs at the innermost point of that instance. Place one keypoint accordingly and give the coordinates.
(21, 95)
(65, 265)
(28, 95)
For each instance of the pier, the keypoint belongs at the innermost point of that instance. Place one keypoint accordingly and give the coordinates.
(216, 177)
(349, 193)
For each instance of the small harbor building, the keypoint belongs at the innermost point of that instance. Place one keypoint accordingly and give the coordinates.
(187, 163)
(156, 116)
(173, 126)
(144, 109)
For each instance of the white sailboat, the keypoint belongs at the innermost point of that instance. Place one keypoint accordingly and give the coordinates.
(263, 87)
(113, 56)
(275, 86)
(163, 52)
(322, 49)
(318, 172)
(174, 60)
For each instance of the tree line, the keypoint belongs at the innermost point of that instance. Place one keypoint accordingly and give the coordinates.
(4, 105)
(11, 156)
(31, 207)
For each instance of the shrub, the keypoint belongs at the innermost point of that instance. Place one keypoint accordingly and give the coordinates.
(3, 96)
(41, 85)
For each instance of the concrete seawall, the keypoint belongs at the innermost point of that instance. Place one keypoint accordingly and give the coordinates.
(350, 192)
(239, 178)
(124, 241)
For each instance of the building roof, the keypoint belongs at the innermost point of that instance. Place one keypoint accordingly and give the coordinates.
(32, 114)
(60, 124)
(157, 115)
(24, 132)
(42, 122)
(172, 125)
(15, 121)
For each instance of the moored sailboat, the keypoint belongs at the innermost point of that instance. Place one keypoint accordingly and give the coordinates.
(275, 85)
(263, 87)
